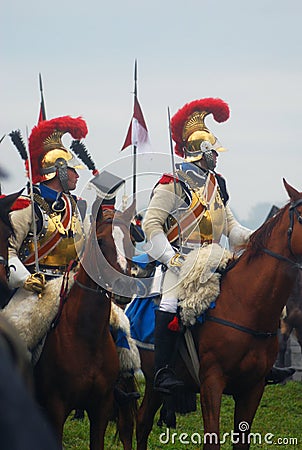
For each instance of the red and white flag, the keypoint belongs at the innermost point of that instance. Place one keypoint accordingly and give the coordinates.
(137, 132)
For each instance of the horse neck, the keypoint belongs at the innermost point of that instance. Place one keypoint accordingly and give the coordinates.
(93, 303)
(261, 284)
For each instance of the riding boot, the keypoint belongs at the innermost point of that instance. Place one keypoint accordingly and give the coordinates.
(279, 374)
(164, 342)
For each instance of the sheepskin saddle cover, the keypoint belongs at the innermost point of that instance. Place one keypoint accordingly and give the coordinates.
(32, 317)
(199, 284)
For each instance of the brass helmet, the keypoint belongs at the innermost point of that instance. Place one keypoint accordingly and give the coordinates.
(193, 140)
(48, 155)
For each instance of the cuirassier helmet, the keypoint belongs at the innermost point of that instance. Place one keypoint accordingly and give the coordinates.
(48, 155)
(193, 140)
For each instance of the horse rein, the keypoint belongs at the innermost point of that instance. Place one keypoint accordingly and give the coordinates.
(98, 290)
(292, 210)
(295, 264)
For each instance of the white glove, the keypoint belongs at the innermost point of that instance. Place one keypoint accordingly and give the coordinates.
(159, 248)
(18, 273)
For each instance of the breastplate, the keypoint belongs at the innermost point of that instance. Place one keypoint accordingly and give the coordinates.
(210, 224)
(56, 248)
(207, 223)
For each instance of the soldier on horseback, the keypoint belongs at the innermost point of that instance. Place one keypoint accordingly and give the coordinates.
(188, 209)
(49, 237)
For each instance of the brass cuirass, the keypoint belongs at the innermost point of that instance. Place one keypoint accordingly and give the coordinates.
(205, 218)
(210, 225)
(54, 256)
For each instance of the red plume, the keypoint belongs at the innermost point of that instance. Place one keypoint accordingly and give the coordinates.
(75, 126)
(216, 106)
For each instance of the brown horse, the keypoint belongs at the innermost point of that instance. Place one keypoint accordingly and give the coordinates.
(6, 203)
(237, 345)
(292, 321)
(79, 365)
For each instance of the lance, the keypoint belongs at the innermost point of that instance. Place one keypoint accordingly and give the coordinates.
(42, 114)
(134, 145)
(174, 180)
(33, 209)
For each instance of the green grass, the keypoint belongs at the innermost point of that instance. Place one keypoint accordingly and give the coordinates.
(279, 413)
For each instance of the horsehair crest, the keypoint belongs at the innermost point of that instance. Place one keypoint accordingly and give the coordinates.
(81, 151)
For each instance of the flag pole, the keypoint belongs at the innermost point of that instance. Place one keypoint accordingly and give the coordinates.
(134, 146)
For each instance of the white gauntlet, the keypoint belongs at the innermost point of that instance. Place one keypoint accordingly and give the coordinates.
(18, 273)
(159, 248)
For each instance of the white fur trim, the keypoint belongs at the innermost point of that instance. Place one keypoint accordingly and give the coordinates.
(32, 317)
(199, 283)
(129, 359)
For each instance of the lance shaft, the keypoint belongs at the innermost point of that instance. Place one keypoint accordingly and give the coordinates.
(174, 182)
(33, 211)
(134, 146)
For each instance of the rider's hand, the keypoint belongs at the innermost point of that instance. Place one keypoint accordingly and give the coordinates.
(35, 283)
(176, 262)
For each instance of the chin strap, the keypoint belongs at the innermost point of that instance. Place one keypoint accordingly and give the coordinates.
(209, 159)
(61, 166)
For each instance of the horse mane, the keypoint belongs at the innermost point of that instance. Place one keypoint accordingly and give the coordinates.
(258, 239)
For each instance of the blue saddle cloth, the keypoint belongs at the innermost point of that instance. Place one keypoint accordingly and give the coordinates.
(141, 315)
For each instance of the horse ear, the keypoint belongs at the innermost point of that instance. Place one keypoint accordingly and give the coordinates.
(292, 192)
(129, 213)
(7, 201)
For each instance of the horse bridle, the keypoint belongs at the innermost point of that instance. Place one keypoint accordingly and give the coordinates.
(99, 289)
(292, 211)
(296, 264)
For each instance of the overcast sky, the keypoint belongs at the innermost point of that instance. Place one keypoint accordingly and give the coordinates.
(247, 53)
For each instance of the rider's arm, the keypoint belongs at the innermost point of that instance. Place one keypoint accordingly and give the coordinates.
(161, 205)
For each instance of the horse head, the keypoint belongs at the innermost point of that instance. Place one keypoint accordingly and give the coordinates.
(109, 251)
(294, 231)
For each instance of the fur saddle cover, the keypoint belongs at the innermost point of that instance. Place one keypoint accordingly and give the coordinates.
(32, 318)
(199, 284)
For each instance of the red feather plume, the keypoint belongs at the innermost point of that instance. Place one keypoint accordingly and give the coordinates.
(75, 126)
(216, 106)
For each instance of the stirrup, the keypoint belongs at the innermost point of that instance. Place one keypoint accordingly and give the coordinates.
(165, 380)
